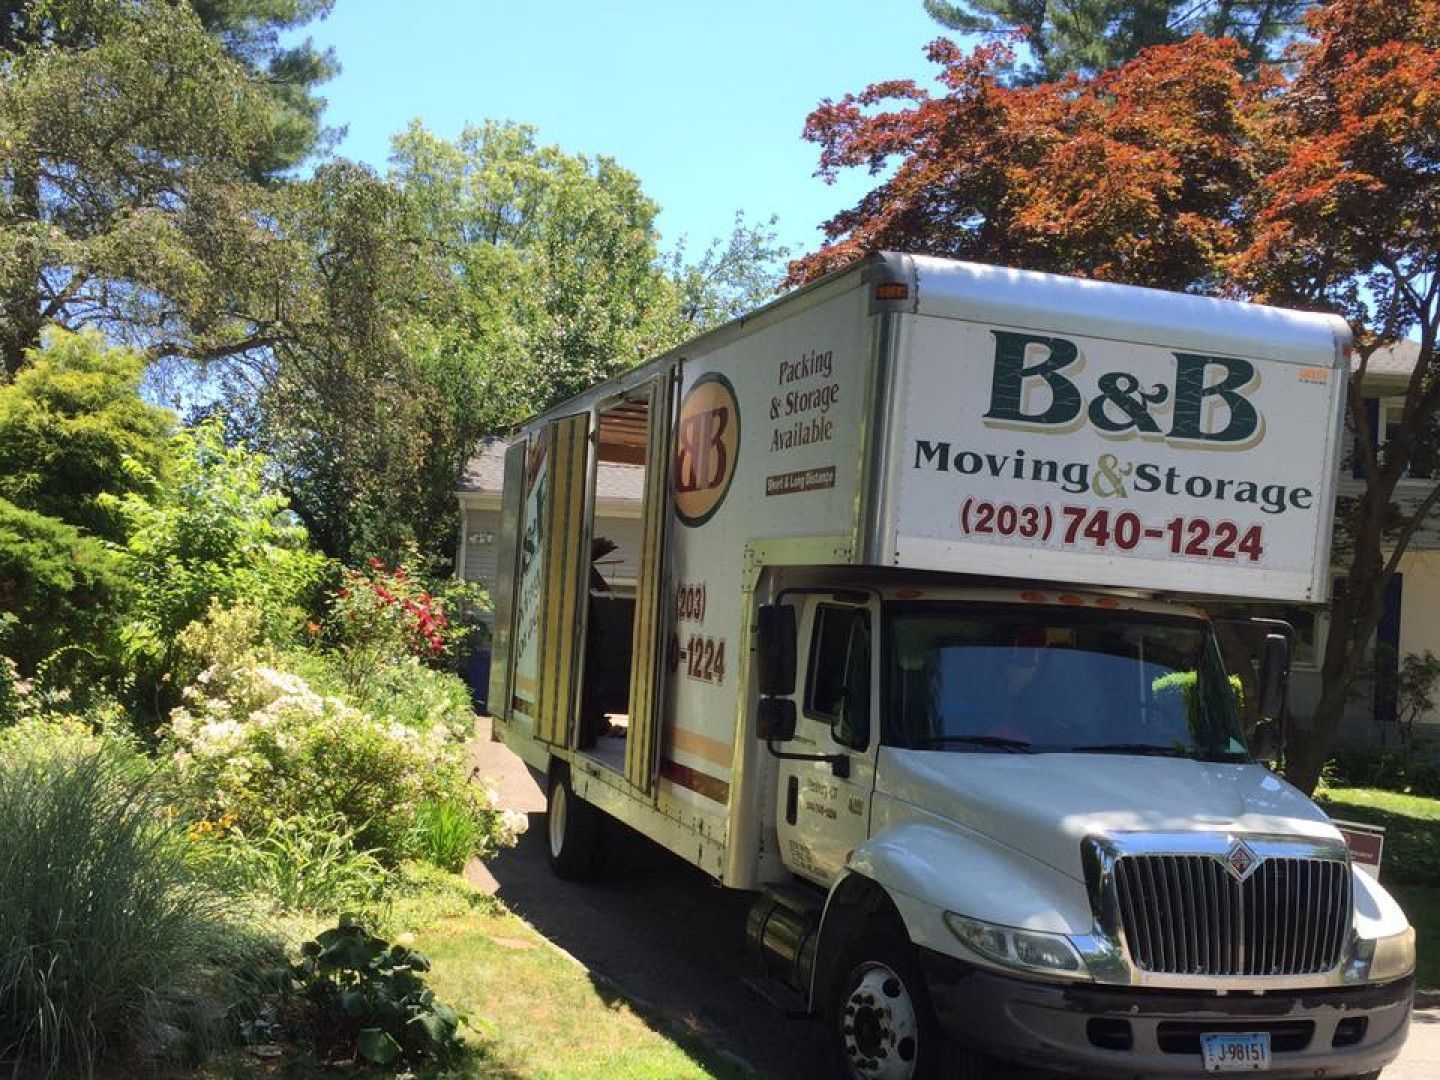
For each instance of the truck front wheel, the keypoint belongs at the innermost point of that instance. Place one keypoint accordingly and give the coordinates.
(574, 830)
(881, 1025)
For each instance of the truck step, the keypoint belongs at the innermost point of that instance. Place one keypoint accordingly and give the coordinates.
(800, 899)
(780, 996)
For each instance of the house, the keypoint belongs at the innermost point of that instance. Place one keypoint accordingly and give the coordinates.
(619, 489)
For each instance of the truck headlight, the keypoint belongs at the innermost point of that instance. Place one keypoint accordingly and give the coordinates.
(1382, 959)
(1019, 950)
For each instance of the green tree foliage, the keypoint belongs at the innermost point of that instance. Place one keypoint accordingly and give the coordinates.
(556, 253)
(215, 535)
(59, 588)
(369, 401)
(486, 279)
(732, 277)
(287, 73)
(1096, 35)
(130, 140)
(73, 429)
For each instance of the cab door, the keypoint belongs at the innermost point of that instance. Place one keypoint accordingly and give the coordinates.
(824, 806)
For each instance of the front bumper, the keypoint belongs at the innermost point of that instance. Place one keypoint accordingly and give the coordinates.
(1126, 1032)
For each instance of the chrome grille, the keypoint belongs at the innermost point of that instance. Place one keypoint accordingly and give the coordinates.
(1188, 915)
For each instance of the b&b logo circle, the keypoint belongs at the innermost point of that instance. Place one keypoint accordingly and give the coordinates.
(707, 443)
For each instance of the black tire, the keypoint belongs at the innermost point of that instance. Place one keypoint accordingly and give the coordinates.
(574, 831)
(879, 1021)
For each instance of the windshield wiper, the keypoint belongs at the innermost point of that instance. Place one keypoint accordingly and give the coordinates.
(997, 742)
(1132, 748)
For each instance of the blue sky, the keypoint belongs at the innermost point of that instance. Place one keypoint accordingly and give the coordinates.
(703, 101)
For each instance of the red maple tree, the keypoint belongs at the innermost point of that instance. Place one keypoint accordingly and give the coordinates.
(1348, 219)
(1138, 174)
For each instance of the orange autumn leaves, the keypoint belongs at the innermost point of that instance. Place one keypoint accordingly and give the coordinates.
(1172, 170)
(1357, 183)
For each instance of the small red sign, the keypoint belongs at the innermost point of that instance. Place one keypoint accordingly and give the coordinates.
(1366, 842)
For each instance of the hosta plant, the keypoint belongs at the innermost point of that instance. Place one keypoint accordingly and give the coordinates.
(364, 999)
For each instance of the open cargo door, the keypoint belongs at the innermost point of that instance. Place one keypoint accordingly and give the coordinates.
(564, 580)
(502, 658)
(642, 743)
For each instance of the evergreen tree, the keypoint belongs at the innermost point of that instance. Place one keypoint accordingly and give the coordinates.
(1090, 36)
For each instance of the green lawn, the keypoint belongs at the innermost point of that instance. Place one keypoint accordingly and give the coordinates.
(531, 1012)
(1410, 867)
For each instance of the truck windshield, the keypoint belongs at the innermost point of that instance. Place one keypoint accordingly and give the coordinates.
(994, 678)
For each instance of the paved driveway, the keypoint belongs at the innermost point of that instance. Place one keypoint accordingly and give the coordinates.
(667, 936)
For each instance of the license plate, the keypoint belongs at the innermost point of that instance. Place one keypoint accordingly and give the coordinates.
(1242, 1052)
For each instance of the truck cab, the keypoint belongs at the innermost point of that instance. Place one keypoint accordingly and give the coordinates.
(1032, 826)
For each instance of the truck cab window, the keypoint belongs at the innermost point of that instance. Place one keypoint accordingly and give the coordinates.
(997, 679)
(838, 686)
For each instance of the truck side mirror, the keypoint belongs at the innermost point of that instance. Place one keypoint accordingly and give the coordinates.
(775, 719)
(1274, 673)
(775, 636)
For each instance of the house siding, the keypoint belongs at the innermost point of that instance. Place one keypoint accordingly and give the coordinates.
(620, 568)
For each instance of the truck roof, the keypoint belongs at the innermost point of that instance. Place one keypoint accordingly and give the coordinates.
(1100, 309)
(1103, 309)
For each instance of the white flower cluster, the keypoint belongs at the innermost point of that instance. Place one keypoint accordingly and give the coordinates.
(231, 730)
(510, 825)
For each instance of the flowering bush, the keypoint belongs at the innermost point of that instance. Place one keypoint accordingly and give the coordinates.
(389, 610)
(254, 744)
(382, 615)
(407, 691)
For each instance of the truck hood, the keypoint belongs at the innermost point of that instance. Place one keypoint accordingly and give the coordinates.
(1043, 805)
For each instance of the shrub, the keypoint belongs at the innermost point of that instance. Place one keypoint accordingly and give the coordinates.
(107, 941)
(365, 1000)
(406, 692)
(10, 690)
(75, 430)
(305, 863)
(260, 745)
(381, 615)
(1408, 772)
(215, 534)
(58, 586)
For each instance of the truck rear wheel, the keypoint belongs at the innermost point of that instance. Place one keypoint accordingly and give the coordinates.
(880, 1023)
(574, 830)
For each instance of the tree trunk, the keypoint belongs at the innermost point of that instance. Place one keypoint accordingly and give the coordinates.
(1354, 615)
(22, 323)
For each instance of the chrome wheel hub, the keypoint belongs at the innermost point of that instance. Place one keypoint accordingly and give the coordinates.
(555, 820)
(878, 1028)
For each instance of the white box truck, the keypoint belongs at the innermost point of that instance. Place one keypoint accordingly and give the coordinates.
(923, 647)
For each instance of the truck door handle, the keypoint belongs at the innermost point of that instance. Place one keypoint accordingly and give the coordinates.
(792, 799)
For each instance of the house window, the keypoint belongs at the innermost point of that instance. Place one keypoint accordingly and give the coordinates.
(1425, 461)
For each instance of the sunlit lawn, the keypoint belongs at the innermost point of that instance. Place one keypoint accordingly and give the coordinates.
(531, 1011)
(1411, 863)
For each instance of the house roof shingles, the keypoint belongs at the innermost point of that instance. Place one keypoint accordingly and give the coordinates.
(485, 475)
